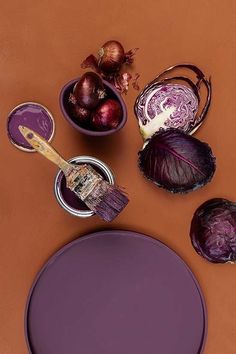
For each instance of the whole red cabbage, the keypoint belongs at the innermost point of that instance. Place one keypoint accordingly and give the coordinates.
(213, 230)
(177, 161)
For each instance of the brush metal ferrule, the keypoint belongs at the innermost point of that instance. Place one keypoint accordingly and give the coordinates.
(58, 189)
(83, 180)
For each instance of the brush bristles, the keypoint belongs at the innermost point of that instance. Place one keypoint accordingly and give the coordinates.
(107, 201)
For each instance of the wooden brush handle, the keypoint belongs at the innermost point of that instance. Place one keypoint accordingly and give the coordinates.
(43, 147)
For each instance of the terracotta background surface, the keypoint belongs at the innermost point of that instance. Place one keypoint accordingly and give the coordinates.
(41, 46)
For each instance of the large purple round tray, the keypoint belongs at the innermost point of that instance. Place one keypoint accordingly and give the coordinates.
(115, 292)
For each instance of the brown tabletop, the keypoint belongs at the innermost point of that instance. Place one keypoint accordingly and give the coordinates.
(42, 44)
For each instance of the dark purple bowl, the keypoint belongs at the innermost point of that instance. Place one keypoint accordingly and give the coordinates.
(111, 93)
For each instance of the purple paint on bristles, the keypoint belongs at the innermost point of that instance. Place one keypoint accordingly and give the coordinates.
(106, 200)
(112, 203)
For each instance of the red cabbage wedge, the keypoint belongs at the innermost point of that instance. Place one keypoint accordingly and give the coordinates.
(177, 161)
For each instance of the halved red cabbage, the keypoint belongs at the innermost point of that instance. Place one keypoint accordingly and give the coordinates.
(166, 104)
(213, 230)
(177, 161)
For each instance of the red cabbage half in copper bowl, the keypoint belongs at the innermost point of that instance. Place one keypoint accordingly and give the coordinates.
(173, 102)
(176, 161)
(213, 230)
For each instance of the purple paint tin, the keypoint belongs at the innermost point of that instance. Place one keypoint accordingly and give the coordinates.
(68, 199)
(115, 292)
(34, 116)
(111, 93)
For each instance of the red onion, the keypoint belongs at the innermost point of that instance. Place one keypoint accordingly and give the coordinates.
(107, 116)
(112, 56)
(89, 90)
(80, 114)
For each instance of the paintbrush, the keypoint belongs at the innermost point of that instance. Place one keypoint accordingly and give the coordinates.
(106, 200)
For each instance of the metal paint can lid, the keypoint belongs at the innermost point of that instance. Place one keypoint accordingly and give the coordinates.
(34, 116)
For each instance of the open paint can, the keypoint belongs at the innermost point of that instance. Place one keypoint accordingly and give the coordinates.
(68, 199)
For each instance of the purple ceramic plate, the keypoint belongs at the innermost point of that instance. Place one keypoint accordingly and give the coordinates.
(115, 292)
(34, 116)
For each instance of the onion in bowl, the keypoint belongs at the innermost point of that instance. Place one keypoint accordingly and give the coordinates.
(107, 115)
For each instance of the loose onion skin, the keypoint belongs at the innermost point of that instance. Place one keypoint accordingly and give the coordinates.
(213, 230)
(107, 116)
(89, 90)
(111, 56)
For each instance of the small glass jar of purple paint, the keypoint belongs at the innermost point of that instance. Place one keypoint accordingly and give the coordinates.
(67, 199)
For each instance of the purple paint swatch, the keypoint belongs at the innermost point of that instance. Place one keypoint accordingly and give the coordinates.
(115, 292)
(33, 116)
